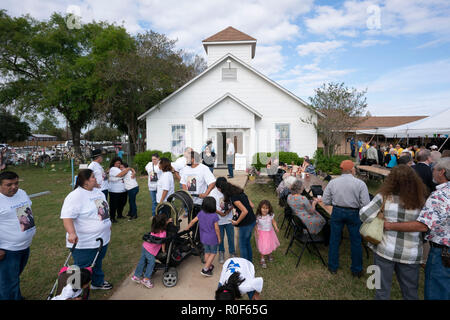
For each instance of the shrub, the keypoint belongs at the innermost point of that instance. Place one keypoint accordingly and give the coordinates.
(259, 159)
(329, 165)
(141, 159)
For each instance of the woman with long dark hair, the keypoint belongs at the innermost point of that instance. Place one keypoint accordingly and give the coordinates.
(245, 219)
(401, 197)
(117, 191)
(85, 215)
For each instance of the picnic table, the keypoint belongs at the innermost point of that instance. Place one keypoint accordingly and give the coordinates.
(374, 170)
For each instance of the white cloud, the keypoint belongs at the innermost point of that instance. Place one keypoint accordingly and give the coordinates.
(369, 43)
(319, 48)
(268, 59)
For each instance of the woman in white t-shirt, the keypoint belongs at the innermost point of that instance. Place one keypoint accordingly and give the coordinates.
(117, 192)
(85, 215)
(132, 188)
(166, 185)
(154, 173)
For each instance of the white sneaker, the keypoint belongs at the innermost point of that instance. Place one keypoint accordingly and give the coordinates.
(105, 286)
(221, 257)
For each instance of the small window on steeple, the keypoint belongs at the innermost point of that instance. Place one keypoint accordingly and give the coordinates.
(229, 73)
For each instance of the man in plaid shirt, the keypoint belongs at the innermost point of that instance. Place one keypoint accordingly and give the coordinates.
(434, 218)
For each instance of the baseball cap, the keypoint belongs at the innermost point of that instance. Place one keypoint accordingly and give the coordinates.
(346, 165)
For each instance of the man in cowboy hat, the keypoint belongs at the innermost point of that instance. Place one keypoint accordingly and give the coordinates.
(100, 175)
(347, 195)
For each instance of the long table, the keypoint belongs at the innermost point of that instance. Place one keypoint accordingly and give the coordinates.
(375, 170)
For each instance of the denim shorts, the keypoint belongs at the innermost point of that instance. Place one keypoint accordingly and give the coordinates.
(211, 249)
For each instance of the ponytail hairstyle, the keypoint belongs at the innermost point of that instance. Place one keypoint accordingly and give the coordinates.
(159, 223)
(82, 177)
(230, 289)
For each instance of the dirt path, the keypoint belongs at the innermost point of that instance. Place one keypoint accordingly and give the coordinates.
(191, 284)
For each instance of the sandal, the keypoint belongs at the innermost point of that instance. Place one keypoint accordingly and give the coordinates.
(263, 264)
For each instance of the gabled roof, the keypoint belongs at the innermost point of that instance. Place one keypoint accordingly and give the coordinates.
(229, 55)
(229, 34)
(228, 95)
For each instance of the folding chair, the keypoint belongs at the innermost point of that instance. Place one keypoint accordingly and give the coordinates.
(305, 240)
(288, 214)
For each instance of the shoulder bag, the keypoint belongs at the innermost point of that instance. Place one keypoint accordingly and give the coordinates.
(373, 231)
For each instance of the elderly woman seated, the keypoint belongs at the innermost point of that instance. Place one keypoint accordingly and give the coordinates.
(304, 209)
(284, 188)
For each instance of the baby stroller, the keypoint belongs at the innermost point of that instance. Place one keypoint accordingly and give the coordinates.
(66, 274)
(179, 245)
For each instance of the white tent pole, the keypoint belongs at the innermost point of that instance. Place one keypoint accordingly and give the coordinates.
(443, 144)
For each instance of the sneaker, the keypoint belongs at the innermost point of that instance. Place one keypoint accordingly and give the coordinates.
(270, 258)
(207, 273)
(105, 286)
(136, 279)
(221, 257)
(147, 282)
(211, 267)
(263, 264)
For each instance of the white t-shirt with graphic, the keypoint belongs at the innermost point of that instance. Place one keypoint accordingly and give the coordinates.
(197, 180)
(154, 172)
(129, 182)
(220, 206)
(90, 213)
(116, 184)
(165, 182)
(247, 271)
(17, 227)
(100, 175)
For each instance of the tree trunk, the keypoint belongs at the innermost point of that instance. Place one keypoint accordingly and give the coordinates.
(132, 134)
(76, 133)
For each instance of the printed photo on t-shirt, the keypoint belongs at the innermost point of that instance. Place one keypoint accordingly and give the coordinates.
(103, 209)
(26, 219)
(192, 183)
(153, 177)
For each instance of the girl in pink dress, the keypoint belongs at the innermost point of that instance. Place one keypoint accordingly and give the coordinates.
(266, 238)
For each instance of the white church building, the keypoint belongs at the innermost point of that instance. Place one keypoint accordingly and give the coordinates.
(231, 99)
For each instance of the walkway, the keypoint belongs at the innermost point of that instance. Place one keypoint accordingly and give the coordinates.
(191, 284)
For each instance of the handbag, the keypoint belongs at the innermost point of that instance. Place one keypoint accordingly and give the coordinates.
(373, 231)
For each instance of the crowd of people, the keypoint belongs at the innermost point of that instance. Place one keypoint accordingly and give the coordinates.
(415, 200)
(415, 212)
(87, 215)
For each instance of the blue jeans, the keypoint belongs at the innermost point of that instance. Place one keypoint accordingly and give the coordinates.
(153, 196)
(11, 268)
(211, 249)
(145, 265)
(132, 201)
(245, 246)
(84, 258)
(229, 229)
(230, 170)
(105, 192)
(339, 218)
(437, 277)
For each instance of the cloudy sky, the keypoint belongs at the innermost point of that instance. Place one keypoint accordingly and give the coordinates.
(397, 49)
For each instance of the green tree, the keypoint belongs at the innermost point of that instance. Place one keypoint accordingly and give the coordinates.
(102, 133)
(136, 80)
(50, 67)
(342, 109)
(12, 129)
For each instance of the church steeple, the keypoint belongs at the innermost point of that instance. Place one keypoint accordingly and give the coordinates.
(230, 40)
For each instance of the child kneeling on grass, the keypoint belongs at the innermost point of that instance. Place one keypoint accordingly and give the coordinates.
(209, 232)
(150, 250)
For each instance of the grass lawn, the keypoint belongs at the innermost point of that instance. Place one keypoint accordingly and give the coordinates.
(282, 280)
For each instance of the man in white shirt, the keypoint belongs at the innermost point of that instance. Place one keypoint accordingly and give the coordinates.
(230, 157)
(197, 179)
(154, 174)
(99, 172)
(17, 230)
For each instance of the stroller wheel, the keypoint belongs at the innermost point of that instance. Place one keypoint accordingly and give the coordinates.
(170, 278)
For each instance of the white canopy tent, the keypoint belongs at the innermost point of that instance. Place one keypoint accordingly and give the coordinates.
(438, 124)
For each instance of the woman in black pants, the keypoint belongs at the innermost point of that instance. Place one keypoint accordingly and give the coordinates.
(117, 191)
